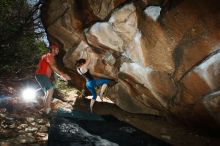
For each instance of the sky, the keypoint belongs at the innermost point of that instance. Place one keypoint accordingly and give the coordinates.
(44, 37)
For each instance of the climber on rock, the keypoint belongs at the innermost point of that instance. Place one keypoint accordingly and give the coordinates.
(82, 66)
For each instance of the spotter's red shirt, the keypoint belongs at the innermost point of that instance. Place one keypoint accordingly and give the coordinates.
(44, 65)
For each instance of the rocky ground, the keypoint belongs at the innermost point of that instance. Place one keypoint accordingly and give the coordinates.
(22, 124)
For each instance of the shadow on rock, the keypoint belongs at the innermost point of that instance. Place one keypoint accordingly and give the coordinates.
(83, 128)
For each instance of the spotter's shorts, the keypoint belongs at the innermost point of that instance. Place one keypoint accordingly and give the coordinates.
(44, 82)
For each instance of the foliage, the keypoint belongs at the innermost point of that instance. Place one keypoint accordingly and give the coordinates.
(60, 84)
(19, 47)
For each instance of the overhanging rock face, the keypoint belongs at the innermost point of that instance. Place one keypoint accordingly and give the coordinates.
(164, 55)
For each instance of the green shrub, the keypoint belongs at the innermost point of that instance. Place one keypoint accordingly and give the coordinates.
(20, 48)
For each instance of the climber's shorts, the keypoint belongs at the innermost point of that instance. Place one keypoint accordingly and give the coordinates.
(94, 83)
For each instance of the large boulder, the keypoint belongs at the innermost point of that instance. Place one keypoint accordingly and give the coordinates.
(164, 55)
